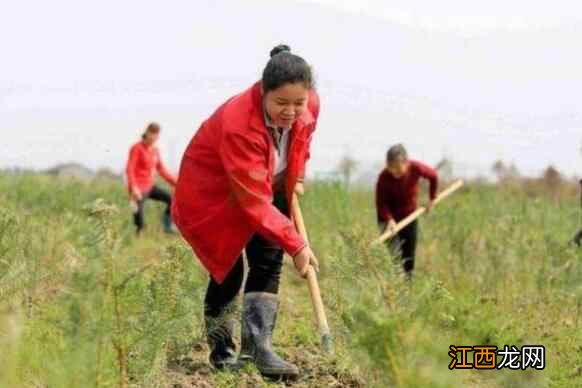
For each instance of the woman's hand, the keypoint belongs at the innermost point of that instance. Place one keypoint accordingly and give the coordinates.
(136, 194)
(299, 188)
(429, 206)
(303, 259)
(390, 226)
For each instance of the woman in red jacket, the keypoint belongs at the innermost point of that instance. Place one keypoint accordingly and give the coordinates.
(143, 162)
(396, 198)
(236, 181)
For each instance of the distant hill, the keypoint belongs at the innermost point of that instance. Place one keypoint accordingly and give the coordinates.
(78, 171)
(71, 170)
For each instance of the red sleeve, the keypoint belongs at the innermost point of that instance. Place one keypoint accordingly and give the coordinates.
(301, 174)
(314, 108)
(382, 210)
(431, 174)
(131, 166)
(245, 162)
(163, 171)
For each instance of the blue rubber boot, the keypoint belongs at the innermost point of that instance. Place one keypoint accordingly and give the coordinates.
(168, 224)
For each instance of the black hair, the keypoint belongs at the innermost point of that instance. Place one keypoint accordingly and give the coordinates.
(152, 127)
(396, 152)
(285, 67)
(279, 49)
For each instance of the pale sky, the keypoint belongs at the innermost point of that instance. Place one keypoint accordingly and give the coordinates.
(467, 17)
(473, 81)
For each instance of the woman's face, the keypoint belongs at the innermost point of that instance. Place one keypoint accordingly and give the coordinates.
(285, 104)
(398, 168)
(151, 138)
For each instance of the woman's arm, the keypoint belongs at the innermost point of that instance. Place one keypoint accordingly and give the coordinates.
(130, 168)
(382, 210)
(301, 173)
(245, 163)
(313, 106)
(134, 191)
(431, 174)
(164, 173)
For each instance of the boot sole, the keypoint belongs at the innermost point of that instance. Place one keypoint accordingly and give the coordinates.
(224, 365)
(275, 374)
(278, 374)
(271, 373)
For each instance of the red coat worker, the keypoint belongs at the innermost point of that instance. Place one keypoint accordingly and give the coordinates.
(236, 181)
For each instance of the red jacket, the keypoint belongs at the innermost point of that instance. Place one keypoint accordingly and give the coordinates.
(142, 164)
(224, 193)
(396, 198)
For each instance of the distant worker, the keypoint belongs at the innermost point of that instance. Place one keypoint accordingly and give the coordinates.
(578, 238)
(143, 162)
(396, 198)
(236, 182)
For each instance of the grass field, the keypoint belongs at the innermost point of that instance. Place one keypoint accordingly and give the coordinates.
(83, 303)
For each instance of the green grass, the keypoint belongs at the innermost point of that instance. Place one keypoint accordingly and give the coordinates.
(83, 303)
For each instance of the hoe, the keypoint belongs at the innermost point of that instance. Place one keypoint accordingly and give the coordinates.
(420, 211)
(326, 340)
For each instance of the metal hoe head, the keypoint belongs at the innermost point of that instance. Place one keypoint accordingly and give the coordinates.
(327, 343)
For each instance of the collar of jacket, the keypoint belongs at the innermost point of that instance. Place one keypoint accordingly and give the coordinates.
(258, 114)
(146, 145)
(269, 124)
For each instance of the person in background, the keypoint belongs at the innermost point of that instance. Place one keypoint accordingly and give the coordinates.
(396, 197)
(578, 237)
(143, 162)
(235, 186)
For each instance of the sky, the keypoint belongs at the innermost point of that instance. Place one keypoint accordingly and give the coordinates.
(470, 81)
(466, 18)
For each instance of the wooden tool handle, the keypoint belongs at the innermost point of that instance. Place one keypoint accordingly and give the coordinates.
(317, 302)
(418, 212)
(298, 218)
(312, 282)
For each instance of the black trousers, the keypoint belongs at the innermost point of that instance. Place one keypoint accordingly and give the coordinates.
(403, 245)
(157, 194)
(265, 261)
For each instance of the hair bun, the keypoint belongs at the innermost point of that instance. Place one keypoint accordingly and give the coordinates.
(280, 49)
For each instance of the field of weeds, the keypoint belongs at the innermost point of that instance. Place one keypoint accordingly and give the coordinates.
(83, 303)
